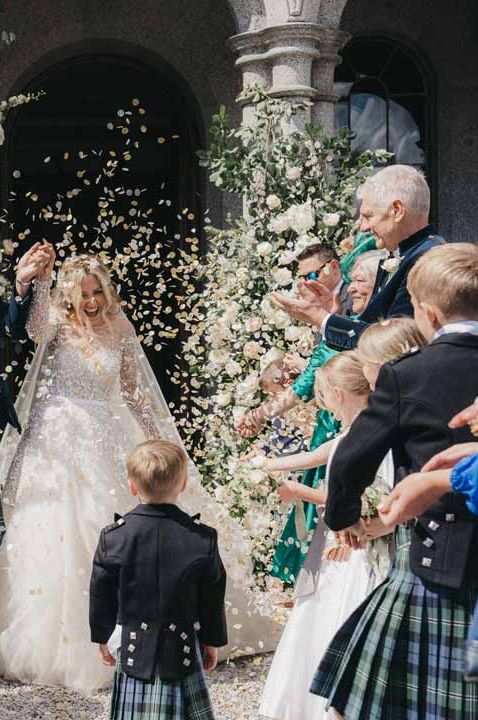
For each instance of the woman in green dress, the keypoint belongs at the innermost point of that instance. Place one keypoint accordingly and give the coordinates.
(299, 529)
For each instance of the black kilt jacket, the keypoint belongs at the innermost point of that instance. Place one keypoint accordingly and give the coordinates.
(158, 573)
(409, 411)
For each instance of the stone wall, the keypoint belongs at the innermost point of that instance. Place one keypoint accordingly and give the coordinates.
(190, 36)
(447, 32)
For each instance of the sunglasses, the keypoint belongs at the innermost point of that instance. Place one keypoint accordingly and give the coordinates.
(314, 274)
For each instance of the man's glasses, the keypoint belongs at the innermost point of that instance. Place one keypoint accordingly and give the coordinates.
(314, 274)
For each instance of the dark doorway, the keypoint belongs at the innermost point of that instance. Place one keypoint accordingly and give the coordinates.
(100, 113)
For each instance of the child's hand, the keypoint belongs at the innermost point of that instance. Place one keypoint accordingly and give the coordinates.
(337, 553)
(375, 528)
(209, 657)
(106, 657)
(288, 490)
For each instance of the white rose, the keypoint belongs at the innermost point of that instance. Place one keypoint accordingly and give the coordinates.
(238, 413)
(218, 357)
(306, 342)
(251, 382)
(301, 217)
(253, 324)
(280, 223)
(223, 399)
(282, 276)
(273, 202)
(264, 248)
(233, 368)
(2, 135)
(279, 318)
(257, 477)
(293, 333)
(391, 265)
(286, 258)
(252, 350)
(258, 462)
(331, 219)
(293, 173)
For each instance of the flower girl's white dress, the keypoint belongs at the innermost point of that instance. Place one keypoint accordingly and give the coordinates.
(85, 403)
(326, 594)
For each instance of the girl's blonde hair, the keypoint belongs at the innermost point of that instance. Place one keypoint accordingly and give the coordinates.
(67, 295)
(388, 340)
(343, 371)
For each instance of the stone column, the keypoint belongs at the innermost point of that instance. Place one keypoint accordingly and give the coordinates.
(294, 60)
(323, 71)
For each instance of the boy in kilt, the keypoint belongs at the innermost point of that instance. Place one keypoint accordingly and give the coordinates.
(400, 654)
(157, 572)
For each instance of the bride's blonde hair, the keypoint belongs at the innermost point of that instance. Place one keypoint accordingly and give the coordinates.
(344, 371)
(67, 295)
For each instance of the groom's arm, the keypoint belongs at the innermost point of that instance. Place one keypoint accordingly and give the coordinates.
(359, 454)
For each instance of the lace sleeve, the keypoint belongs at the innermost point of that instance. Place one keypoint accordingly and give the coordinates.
(136, 397)
(38, 321)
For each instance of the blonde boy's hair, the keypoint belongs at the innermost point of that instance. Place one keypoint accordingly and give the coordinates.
(389, 339)
(157, 467)
(447, 277)
(344, 371)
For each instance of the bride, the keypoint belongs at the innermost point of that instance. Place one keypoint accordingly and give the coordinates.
(88, 398)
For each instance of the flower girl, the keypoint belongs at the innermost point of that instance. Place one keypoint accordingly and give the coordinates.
(334, 580)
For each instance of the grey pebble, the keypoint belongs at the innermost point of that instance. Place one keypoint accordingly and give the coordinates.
(235, 691)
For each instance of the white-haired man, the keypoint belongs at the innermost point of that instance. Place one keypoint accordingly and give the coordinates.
(395, 205)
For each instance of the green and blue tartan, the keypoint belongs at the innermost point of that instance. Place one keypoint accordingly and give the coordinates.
(186, 699)
(400, 654)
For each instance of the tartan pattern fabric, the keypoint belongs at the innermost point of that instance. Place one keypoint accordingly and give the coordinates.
(186, 699)
(400, 654)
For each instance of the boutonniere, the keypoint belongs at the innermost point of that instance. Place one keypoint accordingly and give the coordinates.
(391, 266)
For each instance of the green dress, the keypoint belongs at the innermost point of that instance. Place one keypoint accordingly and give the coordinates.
(291, 551)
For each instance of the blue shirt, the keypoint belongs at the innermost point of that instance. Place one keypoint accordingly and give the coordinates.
(464, 480)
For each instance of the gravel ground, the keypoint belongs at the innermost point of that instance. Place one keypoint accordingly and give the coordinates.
(235, 690)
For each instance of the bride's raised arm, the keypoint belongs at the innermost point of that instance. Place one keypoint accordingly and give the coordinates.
(137, 398)
(38, 320)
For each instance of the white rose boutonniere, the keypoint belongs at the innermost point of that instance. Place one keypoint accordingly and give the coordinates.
(391, 266)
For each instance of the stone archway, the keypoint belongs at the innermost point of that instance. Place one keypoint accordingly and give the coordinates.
(57, 145)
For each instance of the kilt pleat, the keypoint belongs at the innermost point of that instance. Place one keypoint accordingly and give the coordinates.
(400, 655)
(186, 699)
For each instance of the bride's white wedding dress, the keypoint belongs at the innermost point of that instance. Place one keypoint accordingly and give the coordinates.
(85, 403)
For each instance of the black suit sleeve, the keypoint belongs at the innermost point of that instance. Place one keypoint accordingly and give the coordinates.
(359, 454)
(342, 333)
(103, 594)
(14, 317)
(212, 589)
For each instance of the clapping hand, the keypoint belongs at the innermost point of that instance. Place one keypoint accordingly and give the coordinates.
(312, 305)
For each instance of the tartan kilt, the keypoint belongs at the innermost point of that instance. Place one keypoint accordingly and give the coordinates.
(186, 699)
(400, 654)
